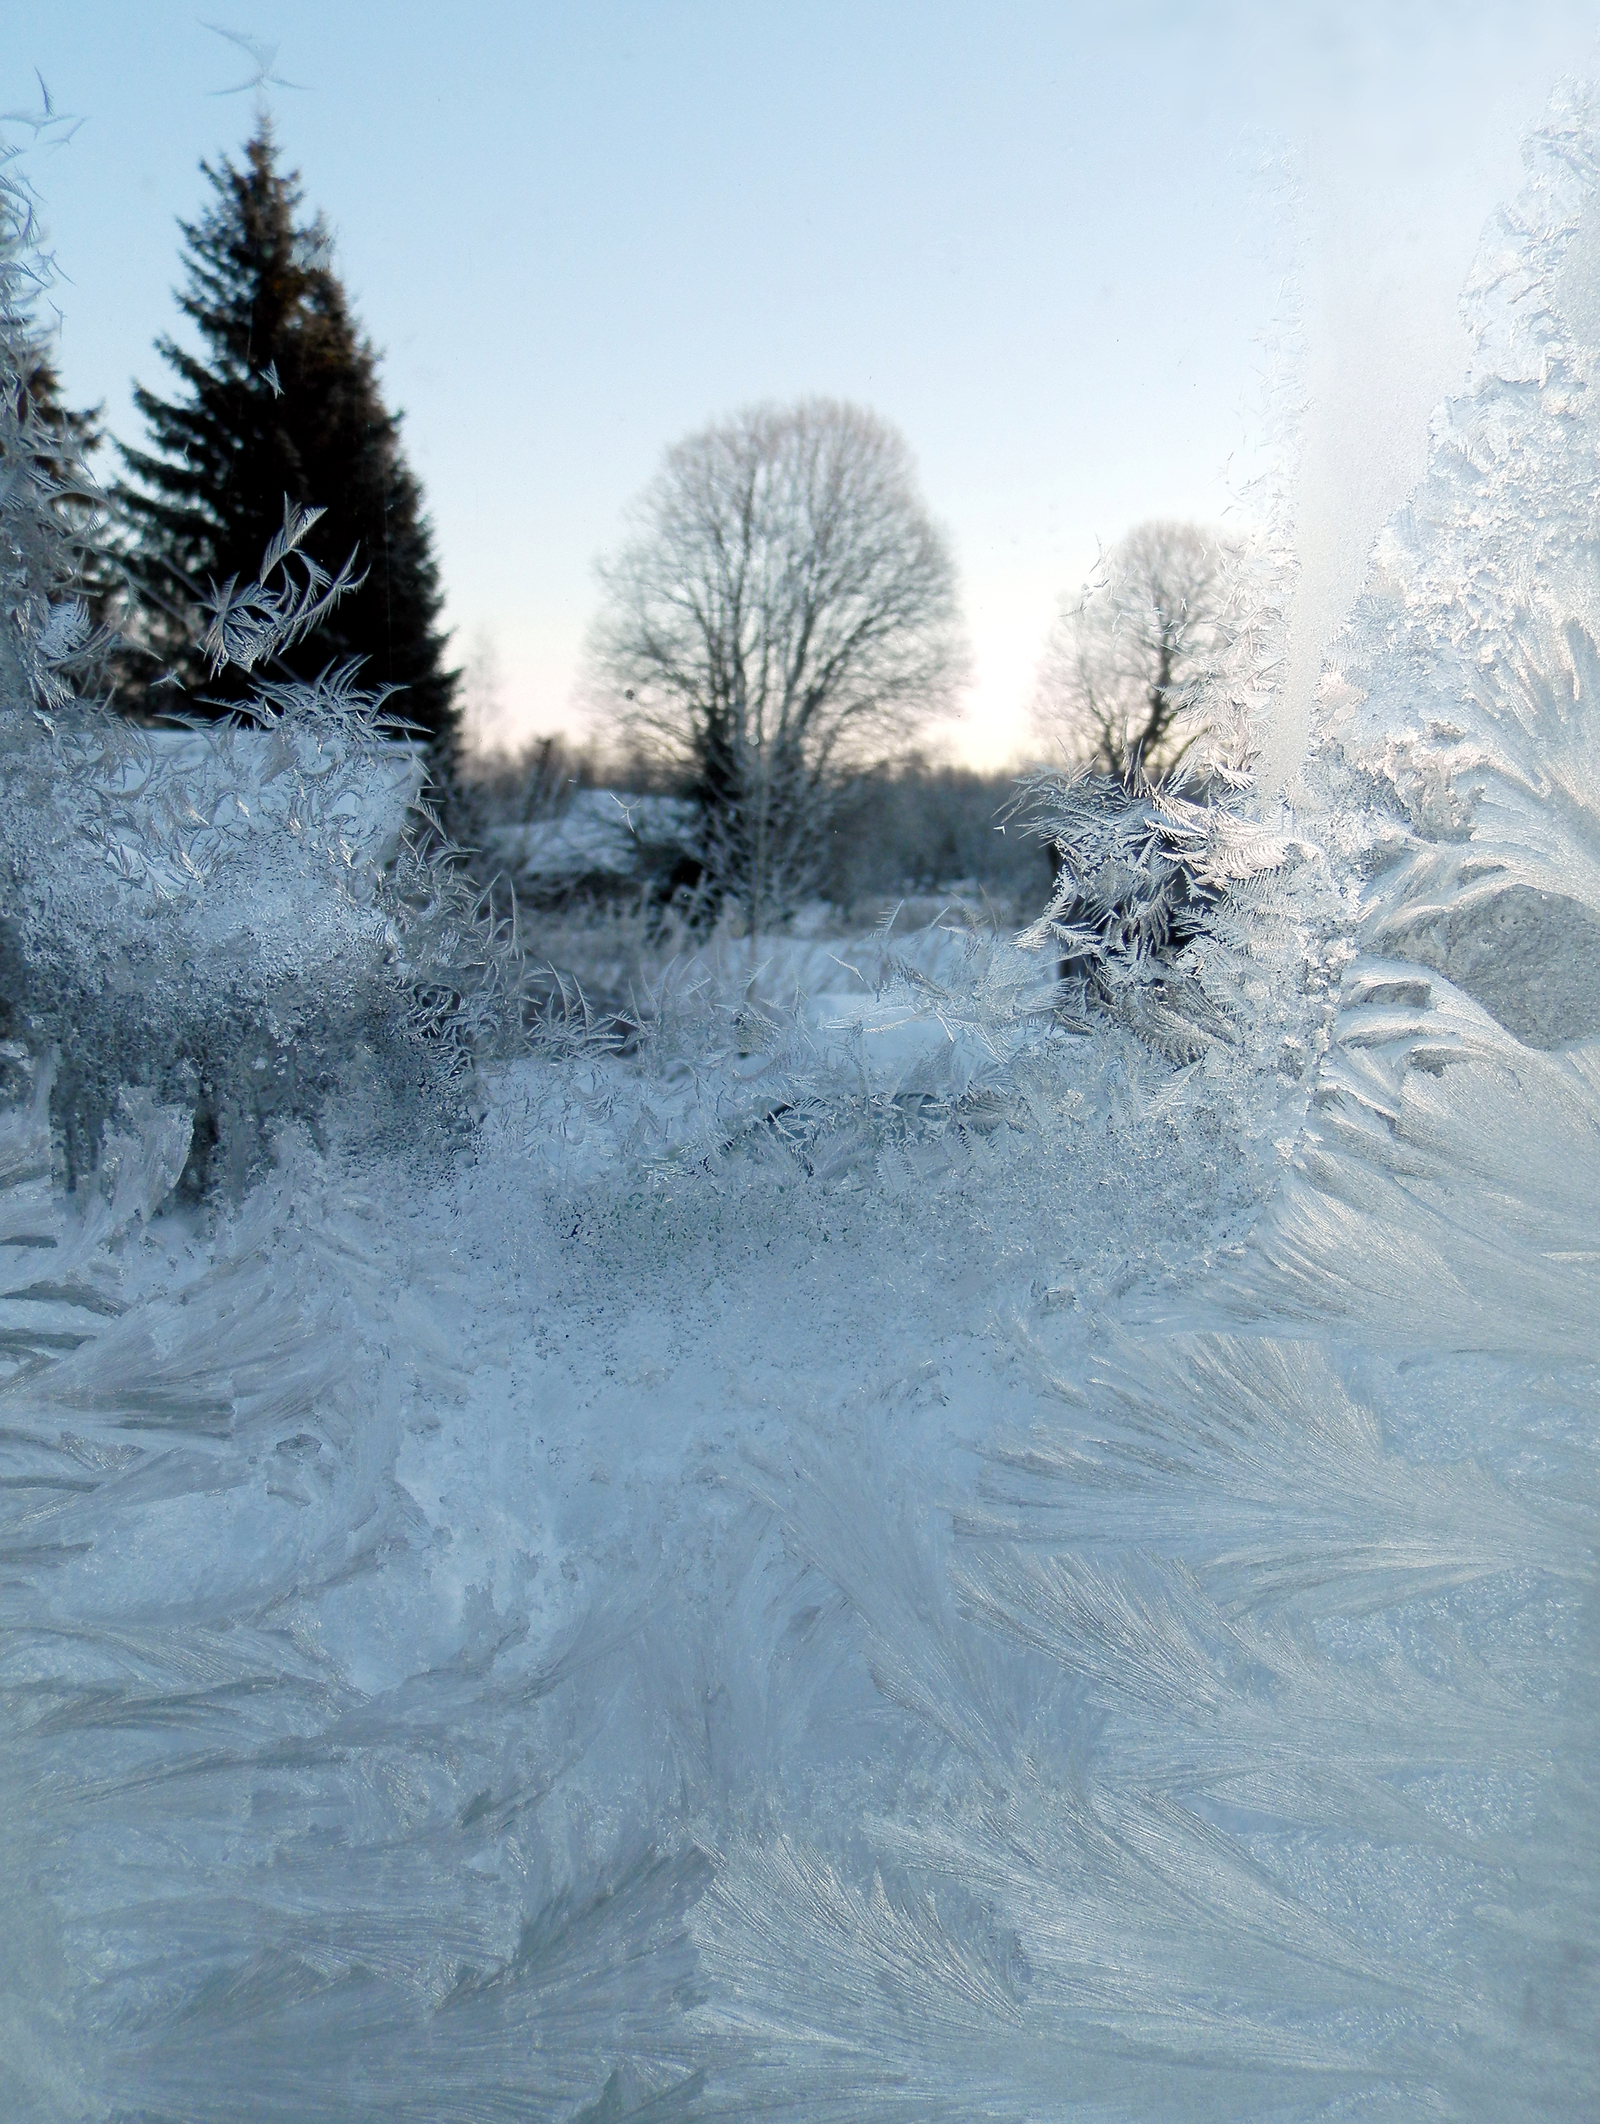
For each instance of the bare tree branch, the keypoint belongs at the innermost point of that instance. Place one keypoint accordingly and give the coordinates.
(1131, 670)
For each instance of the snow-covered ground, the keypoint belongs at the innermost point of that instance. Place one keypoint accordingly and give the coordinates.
(1074, 1597)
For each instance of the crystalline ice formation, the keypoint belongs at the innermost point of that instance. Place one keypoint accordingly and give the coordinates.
(1466, 690)
(233, 920)
(1100, 1628)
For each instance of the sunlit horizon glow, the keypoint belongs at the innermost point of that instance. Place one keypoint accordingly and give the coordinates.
(1057, 248)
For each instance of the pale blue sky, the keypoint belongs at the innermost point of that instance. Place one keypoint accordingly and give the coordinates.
(1038, 238)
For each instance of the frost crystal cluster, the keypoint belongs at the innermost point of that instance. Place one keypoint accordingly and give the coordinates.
(237, 922)
(914, 1541)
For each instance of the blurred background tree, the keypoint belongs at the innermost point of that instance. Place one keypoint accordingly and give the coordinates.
(282, 402)
(1130, 673)
(784, 618)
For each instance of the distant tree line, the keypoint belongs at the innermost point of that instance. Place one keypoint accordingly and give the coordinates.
(911, 826)
(930, 827)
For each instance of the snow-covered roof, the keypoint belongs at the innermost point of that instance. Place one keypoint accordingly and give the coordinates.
(601, 831)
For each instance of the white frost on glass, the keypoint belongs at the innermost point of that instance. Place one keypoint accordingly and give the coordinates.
(772, 1584)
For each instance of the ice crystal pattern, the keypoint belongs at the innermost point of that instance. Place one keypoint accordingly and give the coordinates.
(1098, 1627)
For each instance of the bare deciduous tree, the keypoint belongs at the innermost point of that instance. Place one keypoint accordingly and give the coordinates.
(1131, 670)
(785, 615)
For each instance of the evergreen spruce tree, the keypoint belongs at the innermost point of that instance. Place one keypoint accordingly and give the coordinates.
(283, 403)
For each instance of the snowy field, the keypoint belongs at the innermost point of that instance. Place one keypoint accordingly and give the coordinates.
(894, 1560)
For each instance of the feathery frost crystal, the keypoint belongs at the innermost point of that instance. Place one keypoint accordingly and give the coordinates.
(961, 1545)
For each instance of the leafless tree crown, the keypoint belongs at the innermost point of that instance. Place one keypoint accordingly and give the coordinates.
(786, 611)
(1131, 672)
